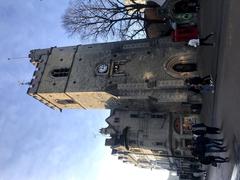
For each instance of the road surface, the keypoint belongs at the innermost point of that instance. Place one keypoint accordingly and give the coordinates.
(223, 62)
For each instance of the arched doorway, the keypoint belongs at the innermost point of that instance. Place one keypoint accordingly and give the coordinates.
(182, 65)
(186, 67)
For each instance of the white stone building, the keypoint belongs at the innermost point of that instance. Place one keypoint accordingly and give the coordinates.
(150, 139)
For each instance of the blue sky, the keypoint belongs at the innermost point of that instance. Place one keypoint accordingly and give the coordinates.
(36, 142)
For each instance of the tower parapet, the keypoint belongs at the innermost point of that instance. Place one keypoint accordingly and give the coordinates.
(39, 58)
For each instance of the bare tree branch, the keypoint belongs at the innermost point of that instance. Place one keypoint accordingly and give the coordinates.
(106, 19)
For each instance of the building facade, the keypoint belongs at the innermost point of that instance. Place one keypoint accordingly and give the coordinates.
(140, 74)
(141, 81)
(156, 140)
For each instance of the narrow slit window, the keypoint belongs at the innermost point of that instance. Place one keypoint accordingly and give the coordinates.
(65, 101)
(62, 72)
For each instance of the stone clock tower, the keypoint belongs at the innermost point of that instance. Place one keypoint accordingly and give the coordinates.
(140, 74)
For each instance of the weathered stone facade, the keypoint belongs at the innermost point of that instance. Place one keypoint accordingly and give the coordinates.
(141, 81)
(150, 139)
(138, 74)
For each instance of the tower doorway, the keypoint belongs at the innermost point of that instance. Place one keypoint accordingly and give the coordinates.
(186, 67)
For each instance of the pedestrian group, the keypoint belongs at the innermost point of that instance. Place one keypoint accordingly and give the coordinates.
(200, 84)
(202, 145)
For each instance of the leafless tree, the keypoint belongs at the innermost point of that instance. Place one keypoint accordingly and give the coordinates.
(107, 19)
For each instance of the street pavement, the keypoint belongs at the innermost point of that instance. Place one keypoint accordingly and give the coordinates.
(222, 61)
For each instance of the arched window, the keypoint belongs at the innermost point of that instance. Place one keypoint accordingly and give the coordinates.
(62, 72)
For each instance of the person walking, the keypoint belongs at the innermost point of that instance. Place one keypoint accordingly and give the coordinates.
(213, 148)
(199, 174)
(203, 40)
(201, 146)
(206, 140)
(200, 41)
(194, 89)
(207, 88)
(196, 168)
(218, 159)
(207, 161)
(200, 84)
(202, 129)
(198, 80)
(214, 141)
(197, 149)
(213, 160)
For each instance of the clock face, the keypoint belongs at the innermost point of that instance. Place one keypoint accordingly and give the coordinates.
(102, 68)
